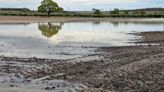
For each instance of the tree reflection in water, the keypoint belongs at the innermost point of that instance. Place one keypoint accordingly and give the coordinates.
(49, 29)
(115, 23)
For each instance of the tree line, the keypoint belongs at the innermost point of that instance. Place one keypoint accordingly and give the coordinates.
(51, 8)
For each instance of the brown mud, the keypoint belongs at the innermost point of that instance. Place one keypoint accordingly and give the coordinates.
(138, 68)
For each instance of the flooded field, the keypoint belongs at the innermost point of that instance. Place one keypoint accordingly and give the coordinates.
(74, 56)
(68, 40)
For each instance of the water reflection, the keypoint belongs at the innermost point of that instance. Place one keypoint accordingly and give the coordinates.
(56, 40)
(25, 24)
(115, 23)
(96, 23)
(49, 29)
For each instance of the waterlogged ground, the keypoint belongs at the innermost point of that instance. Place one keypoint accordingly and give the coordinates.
(67, 40)
(88, 56)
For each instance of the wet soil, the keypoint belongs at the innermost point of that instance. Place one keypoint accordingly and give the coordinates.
(138, 68)
(36, 19)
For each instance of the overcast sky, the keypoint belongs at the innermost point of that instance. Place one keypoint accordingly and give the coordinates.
(86, 4)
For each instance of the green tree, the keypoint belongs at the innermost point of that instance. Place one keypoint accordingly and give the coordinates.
(115, 11)
(126, 12)
(143, 12)
(97, 11)
(135, 12)
(49, 6)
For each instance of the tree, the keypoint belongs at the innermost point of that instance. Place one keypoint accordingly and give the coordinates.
(143, 12)
(97, 11)
(49, 6)
(115, 11)
(135, 12)
(126, 12)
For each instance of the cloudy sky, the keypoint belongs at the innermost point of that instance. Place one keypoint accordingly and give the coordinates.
(86, 4)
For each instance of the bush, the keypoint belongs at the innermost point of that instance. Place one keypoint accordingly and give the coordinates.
(97, 11)
(115, 11)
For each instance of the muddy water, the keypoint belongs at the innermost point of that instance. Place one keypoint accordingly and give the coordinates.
(68, 40)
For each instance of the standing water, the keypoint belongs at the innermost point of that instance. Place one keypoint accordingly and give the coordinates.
(67, 40)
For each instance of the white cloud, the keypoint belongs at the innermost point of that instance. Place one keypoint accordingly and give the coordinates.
(12, 1)
(85, 4)
(96, 1)
(76, 1)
